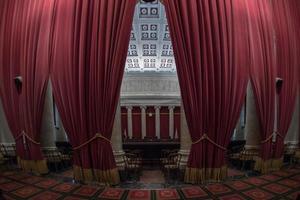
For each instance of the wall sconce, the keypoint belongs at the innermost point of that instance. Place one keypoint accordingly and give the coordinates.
(18, 83)
(279, 82)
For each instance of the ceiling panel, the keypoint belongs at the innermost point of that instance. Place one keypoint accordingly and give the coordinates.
(150, 47)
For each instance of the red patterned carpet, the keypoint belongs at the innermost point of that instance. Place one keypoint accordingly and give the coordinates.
(152, 176)
(283, 184)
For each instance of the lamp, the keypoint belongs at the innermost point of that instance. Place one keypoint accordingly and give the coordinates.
(279, 82)
(18, 83)
(278, 85)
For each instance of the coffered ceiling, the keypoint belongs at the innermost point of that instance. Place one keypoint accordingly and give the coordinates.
(150, 48)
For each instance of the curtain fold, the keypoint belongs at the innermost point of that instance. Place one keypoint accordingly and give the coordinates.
(210, 41)
(90, 43)
(287, 68)
(150, 122)
(164, 122)
(9, 29)
(295, 7)
(136, 123)
(263, 74)
(25, 35)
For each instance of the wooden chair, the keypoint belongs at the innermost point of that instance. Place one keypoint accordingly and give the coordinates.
(54, 159)
(8, 154)
(248, 157)
(2, 159)
(296, 157)
(164, 156)
(67, 160)
(131, 164)
(139, 157)
(172, 165)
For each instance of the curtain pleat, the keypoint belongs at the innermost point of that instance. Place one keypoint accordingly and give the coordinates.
(25, 42)
(90, 43)
(263, 74)
(210, 41)
(287, 68)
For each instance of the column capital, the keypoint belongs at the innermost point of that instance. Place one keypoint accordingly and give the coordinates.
(129, 107)
(171, 107)
(143, 107)
(157, 107)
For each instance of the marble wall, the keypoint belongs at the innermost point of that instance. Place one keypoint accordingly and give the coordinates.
(150, 84)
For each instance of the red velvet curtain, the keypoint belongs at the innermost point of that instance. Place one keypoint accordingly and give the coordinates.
(150, 122)
(211, 52)
(287, 68)
(25, 41)
(124, 123)
(164, 123)
(295, 7)
(263, 74)
(90, 43)
(10, 26)
(136, 123)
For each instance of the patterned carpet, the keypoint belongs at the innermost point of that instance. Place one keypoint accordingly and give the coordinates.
(152, 176)
(283, 184)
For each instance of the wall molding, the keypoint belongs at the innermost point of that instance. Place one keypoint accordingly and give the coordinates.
(150, 85)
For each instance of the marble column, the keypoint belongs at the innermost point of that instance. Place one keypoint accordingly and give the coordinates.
(61, 135)
(292, 137)
(5, 133)
(144, 126)
(171, 121)
(116, 139)
(129, 121)
(157, 122)
(185, 139)
(48, 136)
(252, 129)
(240, 129)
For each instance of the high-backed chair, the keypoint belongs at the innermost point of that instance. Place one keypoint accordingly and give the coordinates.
(132, 164)
(8, 153)
(172, 165)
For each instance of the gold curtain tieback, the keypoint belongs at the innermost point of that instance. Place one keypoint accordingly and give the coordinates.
(266, 140)
(205, 137)
(98, 135)
(28, 137)
(277, 133)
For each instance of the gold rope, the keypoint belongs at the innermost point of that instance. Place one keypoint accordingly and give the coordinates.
(98, 135)
(277, 133)
(28, 137)
(205, 137)
(271, 136)
(266, 140)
